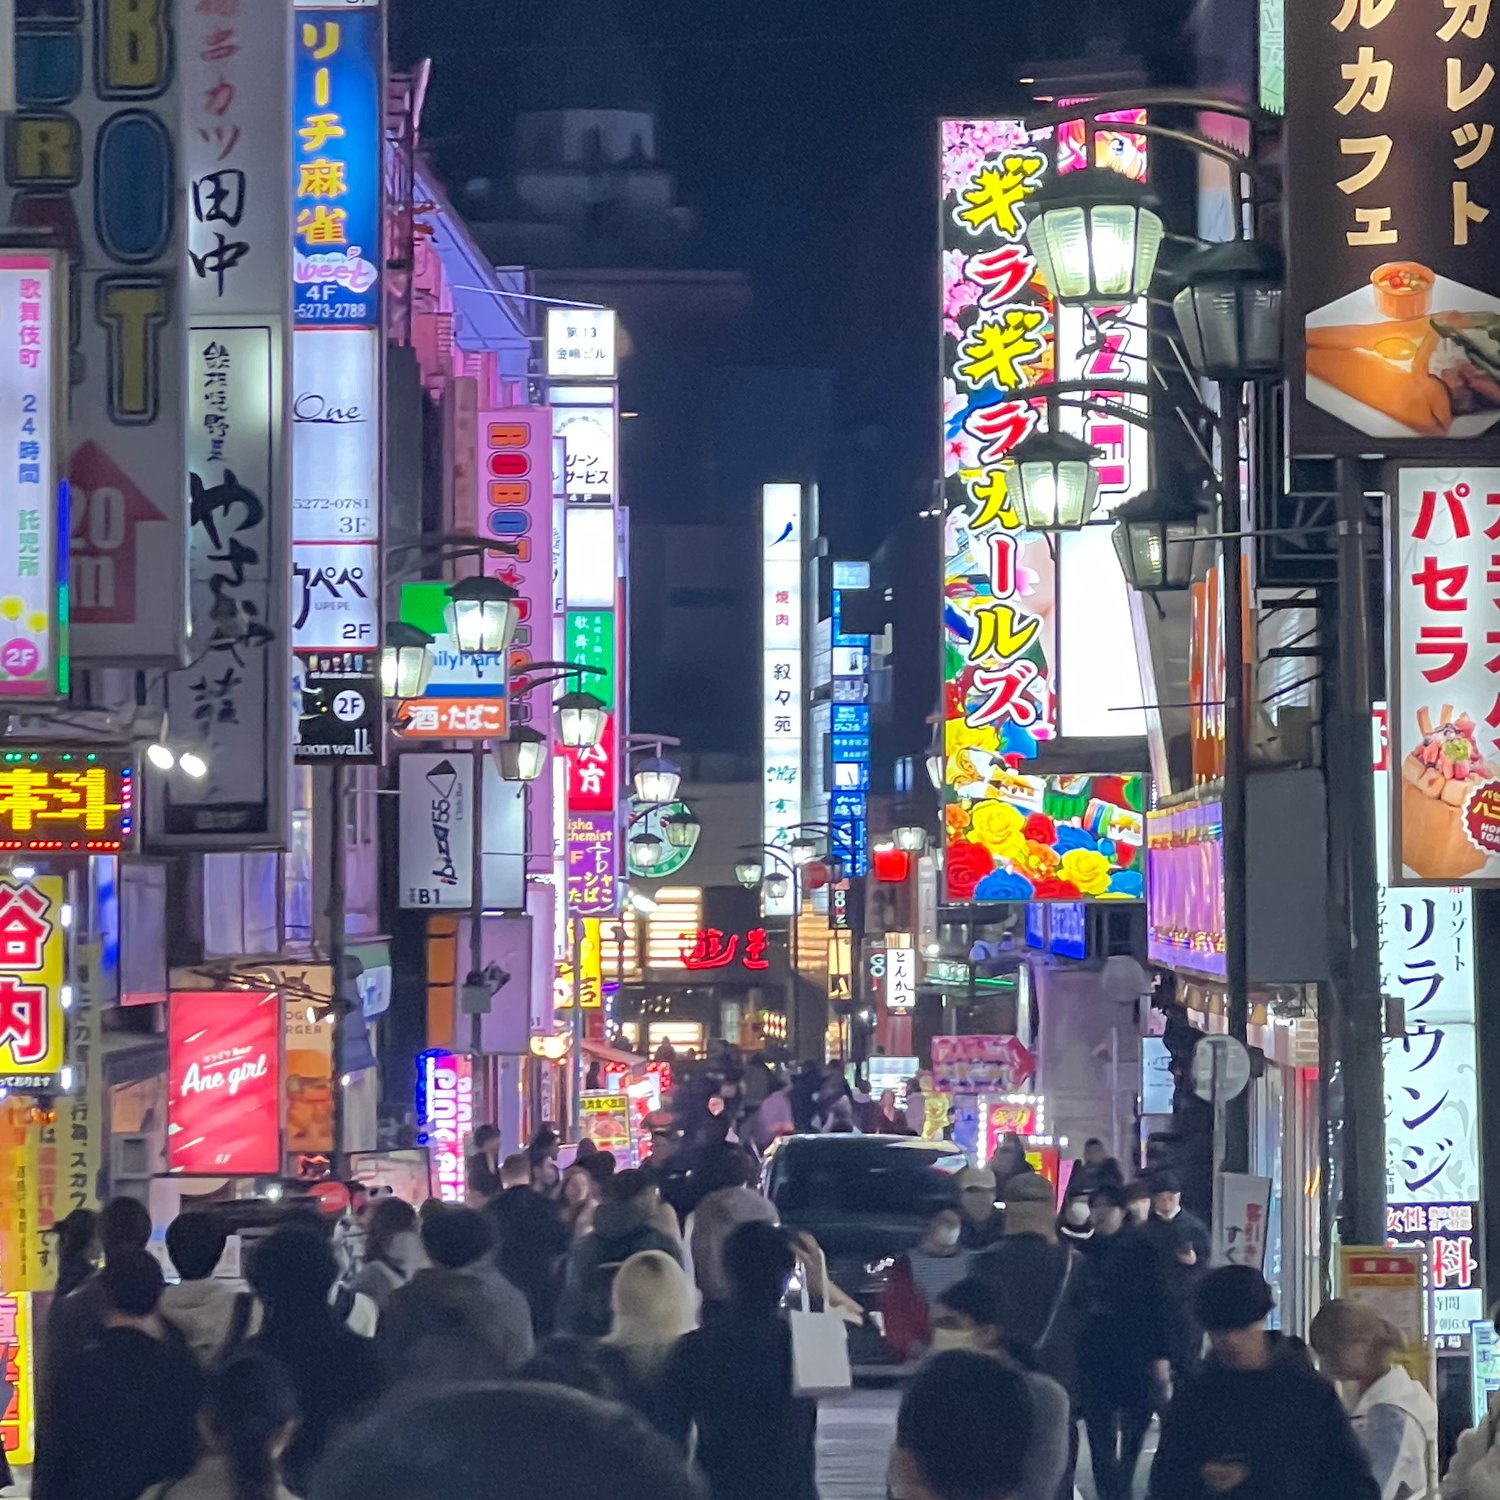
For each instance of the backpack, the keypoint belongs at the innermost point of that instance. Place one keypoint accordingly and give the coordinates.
(596, 1307)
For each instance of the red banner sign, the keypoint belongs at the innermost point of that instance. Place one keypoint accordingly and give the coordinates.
(224, 1084)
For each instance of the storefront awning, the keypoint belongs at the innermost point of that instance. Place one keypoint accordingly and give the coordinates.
(613, 1055)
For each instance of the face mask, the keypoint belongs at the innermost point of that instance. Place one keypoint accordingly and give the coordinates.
(946, 1237)
(944, 1339)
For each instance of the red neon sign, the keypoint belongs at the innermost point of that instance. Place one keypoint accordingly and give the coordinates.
(713, 949)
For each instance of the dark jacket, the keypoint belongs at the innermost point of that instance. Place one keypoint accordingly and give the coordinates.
(445, 1326)
(1179, 1282)
(482, 1175)
(121, 1417)
(336, 1375)
(1124, 1324)
(1283, 1425)
(620, 1231)
(1035, 1276)
(530, 1241)
(733, 1381)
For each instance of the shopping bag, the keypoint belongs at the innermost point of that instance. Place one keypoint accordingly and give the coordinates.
(820, 1352)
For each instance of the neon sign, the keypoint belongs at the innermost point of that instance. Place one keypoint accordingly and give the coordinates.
(714, 949)
(66, 802)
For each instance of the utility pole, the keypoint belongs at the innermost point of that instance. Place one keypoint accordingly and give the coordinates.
(337, 946)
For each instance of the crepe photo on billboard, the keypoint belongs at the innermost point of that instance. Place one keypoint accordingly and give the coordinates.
(1409, 354)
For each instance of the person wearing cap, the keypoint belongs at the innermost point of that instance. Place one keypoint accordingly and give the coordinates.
(1138, 1202)
(1394, 1418)
(1122, 1346)
(1258, 1422)
(983, 1223)
(1180, 1240)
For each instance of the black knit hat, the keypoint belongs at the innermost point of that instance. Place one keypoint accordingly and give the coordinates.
(1233, 1297)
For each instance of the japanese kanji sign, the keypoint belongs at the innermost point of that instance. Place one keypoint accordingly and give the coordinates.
(33, 951)
(336, 199)
(66, 802)
(1392, 192)
(95, 155)
(33, 388)
(1432, 1071)
(231, 705)
(593, 773)
(589, 980)
(1444, 546)
(782, 695)
(336, 204)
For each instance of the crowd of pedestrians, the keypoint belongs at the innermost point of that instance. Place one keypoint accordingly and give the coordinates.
(624, 1328)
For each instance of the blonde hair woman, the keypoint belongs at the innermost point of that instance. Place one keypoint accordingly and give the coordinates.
(652, 1302)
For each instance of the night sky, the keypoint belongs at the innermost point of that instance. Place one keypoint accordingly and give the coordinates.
(803, 138)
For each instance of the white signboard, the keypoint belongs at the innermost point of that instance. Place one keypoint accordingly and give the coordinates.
(581, 343)
(1444, 747)
(900, 980)
(1431, 1073)
(1242, 1212)
(589, 443)
(589, 557)
(781, 671)
(437, 831)
(231, 706)
(336, 434)
(30, 425)
(335, 596)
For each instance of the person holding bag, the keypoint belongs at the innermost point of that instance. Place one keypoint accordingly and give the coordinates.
(733, 1381)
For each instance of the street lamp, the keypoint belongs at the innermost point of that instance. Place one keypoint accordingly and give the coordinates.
(521, 755)
(1095, 237)
(481, 615)
(406, 661)
(748, 873)
(1156, 537)
(646, 851)
(682, 830)
(802, 848)
(580, 720)
(910, 838)
(1229, 310)
(776, 886)
(1054, 480)
(657, 780)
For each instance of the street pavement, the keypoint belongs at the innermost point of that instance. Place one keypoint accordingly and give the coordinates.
(855, 1433)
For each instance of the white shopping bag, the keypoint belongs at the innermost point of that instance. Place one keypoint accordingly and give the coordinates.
(820, 1352)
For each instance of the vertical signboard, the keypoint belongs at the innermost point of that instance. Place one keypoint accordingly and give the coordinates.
(849, 727)
(92, 154)
(337, 366)
(781, 671)
(593, 774)
(436, 831)
(998, 343)
(1431, 1072)
(33, 543)
(515, 507)
(230, 705)
(33, 951)
(1005, 618)
(223, 1083)
(1393, 280)
(1445, 705)
(445, 1116)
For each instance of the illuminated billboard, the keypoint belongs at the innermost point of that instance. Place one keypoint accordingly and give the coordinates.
(1021, 669)
(224, 1083)
(781, 672)
(1013, 837)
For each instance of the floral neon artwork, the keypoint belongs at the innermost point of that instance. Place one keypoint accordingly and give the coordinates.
(1013, 837)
